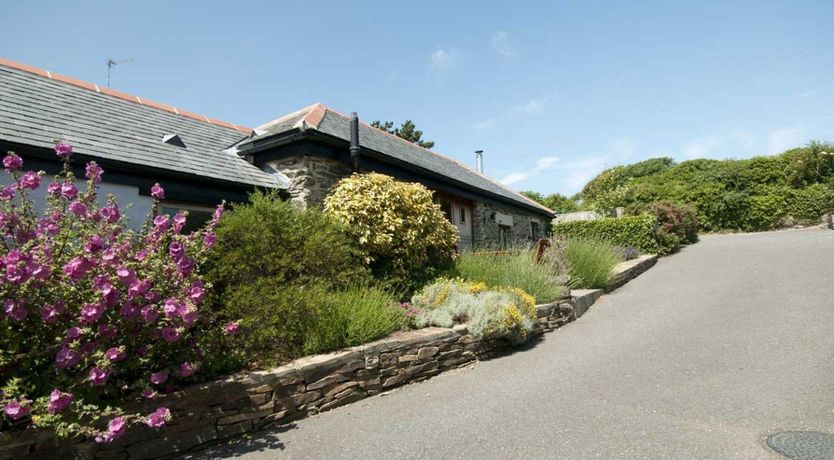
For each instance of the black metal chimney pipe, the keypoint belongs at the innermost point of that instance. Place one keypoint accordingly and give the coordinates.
(354, 141)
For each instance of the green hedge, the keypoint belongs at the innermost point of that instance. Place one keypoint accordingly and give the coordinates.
(632, 231)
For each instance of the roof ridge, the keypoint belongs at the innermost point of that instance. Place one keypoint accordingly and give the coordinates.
(118, 94)
(461, 164)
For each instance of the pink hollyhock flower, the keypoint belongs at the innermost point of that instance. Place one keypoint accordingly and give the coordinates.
(209, 239)
(170, 334)
(109, 257)
(54, 189)
(158, 378)
(189, 317)
(158, 418)
(231, 328)
(115, 428)
(78, 208)
(149, 394)
(66, 358)
(73, 332)
(171, 308)
(110, 213)
(7, 193)
(63, 150)
(218, 213)
(125, 274)
(30, 180)
(12, 162)
(187, 369)
(161, 222)
(149, 314)
(95, 244)
(107, 331)
(50, 313)
(128, 310)
(76, 268)
(114, 354)
(157, 192)
(179, 222)
(109, 293)
(138, 288)
(69, 191)
(197, 291)
(99, 375)
(40, 272)
(15, 409)
(58, 401)
(14, 310)
(91, 312)
(94, 172)
(185, 266)
(14, 274)
(176, 250)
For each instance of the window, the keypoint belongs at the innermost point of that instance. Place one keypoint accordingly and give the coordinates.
(534, 230)
(446, 207)
(462, 215)
(197, 215)
(503, 236)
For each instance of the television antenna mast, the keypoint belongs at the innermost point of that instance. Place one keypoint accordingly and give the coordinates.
(112, 62)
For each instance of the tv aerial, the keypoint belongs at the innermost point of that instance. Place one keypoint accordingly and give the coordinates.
(114, 62)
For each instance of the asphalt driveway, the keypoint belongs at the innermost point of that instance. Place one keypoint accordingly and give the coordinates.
(701, 357)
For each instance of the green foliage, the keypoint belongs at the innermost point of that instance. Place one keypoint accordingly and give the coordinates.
(555, 201)
(677, 224)
(405, 237)
(516, 268)
(284, 322)
(407, 131)
(759, 193)
(591, 262)
(270, 238)
(494, 314)
(639, 232)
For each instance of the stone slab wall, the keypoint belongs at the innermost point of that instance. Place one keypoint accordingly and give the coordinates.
(487, 230)
(208, 413)
(630, 269)
(311, 177)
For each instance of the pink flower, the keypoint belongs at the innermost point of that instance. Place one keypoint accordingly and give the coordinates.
(15, 410)
(125, 274)
(7, 193)
(30, 180)
(218, 213)
(109, 293)
(115, 428)
(128, 310)
(58, 401)
(12, 162)
(110, 257)
(187, 369)
(66, 358)
(149, 314)
(78, 208)
(54, 189)
(111, 213)
(91, 312)
(179, 222)
(189, 317)
(14, 310)
(95, 244)
(147, 393)
(114, 354)
(93, 171)
(170, 334)
(197, 291)
(176, 250)
(76, 268)
(107, 331)
(170, 308)
(73, 332)
(69, 191)
(161, 222)
(63, 150)
(231, 328)
(158, 378)
(157, 192)
(158, 418)
(99, 375)
(50, 313)
(209, 239)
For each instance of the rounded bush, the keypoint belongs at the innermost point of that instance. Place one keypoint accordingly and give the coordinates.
(405, 236)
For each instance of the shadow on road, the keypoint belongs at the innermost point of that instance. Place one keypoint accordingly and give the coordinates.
(258, 441)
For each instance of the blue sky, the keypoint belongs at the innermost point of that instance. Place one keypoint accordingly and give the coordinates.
(552, 91)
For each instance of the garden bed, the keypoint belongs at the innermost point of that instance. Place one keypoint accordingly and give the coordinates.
(210, 412)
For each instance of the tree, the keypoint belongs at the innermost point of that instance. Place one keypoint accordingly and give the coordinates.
(554, 201)
(407, 131)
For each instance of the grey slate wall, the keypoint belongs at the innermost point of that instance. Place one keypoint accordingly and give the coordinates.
(487, 229)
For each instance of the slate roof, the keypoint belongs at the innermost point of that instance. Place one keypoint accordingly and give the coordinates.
(37, 107)
(325, 120)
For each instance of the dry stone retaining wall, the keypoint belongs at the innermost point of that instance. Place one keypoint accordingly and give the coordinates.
(208, 413)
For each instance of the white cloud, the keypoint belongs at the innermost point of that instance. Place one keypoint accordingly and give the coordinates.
(813, 92)
(533, 106)
(542, 164)
(500, 44)
(735, 143)
(783, 139)
(442, 60)
(484, 124)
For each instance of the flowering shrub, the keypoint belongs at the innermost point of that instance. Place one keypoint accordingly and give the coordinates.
(405, 236)
(92, 311)
(493, 313)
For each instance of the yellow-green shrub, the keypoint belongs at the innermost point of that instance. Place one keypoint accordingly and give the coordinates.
(405, 236)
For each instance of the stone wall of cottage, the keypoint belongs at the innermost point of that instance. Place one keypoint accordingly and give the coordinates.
(206, 414)
(486, 227)
(311, 177)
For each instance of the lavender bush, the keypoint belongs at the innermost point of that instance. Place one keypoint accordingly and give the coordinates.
(93, 312)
